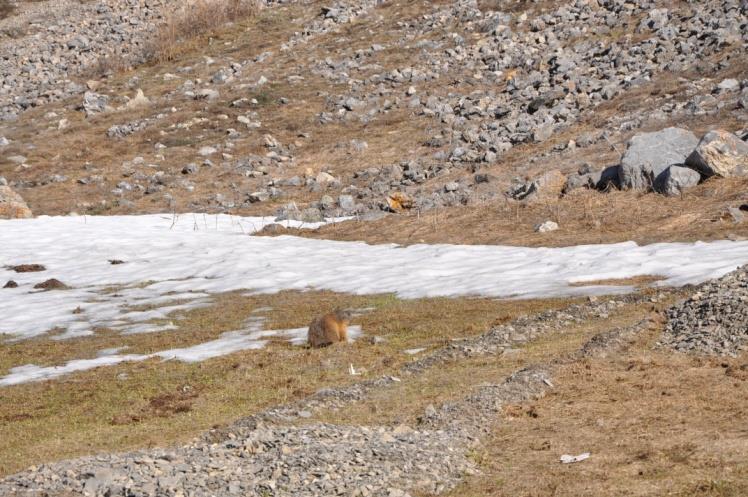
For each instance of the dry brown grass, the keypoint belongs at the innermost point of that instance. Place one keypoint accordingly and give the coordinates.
(585, 217)
(193, 21)
(656, 423)
(406, 401)
(156, 403)
(107, 66)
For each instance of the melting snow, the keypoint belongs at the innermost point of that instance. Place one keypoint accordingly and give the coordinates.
(231, 341)
(175, 264)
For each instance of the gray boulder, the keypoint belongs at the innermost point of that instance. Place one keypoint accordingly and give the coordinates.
(675, 179)
(546, 227)
(190, 168)
(292, 212)
(327, 202)
(720, 153)
(258, 197)
(94, 103)
(610, 177)
(346, 203)
(12, 205)
(649, 154)
(742, 101)
(311, 215)
(594, 180)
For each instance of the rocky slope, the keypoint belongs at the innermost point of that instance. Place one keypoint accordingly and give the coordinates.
(47, 46)
(366, 107)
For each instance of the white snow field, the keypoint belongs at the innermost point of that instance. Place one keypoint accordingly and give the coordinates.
(173, 264)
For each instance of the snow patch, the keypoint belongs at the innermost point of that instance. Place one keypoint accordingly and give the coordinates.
(173, 264)
(227, 343)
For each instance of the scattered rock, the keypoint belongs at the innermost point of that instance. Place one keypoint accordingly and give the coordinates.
(398, 201)
(11, 284)
(190, 168)
(94, 103)
(51, 284)
(714, 320)
(546, 227)
(720, 153)
(675, 179)
(28, 268)
(649, 154)
(12, 205)
(138, 101)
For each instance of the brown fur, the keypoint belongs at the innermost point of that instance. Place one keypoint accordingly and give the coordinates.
(328, 329)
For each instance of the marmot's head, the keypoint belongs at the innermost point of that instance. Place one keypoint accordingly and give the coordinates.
(344, 315)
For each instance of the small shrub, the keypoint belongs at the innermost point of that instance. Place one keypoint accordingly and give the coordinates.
(194, 21)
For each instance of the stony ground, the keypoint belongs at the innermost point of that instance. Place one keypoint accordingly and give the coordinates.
(286, 451)
(713, 320)
(464, 121)
(373, 108)
(270, 454)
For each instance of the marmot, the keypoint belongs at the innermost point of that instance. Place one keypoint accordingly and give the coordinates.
(329, 329)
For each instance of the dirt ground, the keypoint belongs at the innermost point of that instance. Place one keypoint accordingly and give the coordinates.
(655, 423)
(157, 403)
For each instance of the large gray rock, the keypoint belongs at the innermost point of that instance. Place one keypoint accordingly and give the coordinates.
(346, 203)
(292, 212)
(549, 184)
(94, 103)
(649, 154)
(546, 227)
(675, 179)
(742, 101)
(12, 206)
(594, 180)
(720, 153)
